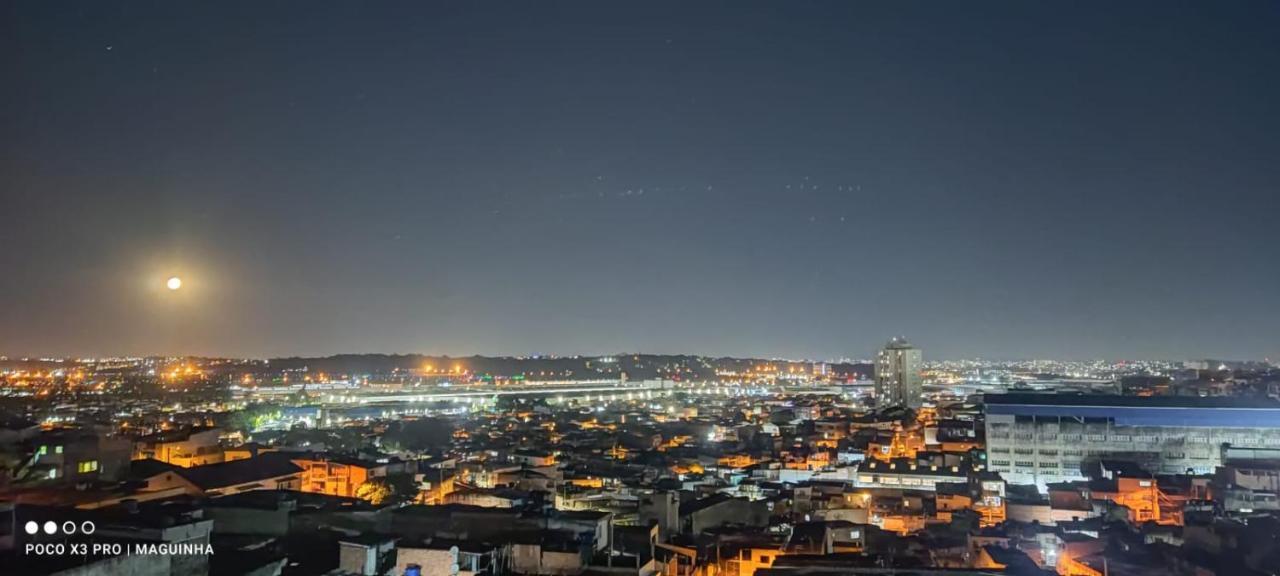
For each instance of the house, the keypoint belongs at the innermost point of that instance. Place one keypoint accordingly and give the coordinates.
(189, 447)
(535, 458)
(593, 522)
(77, 456)
(337, 475)
(368, 555)
(489, 497)
(437, 556)
(244, 451)
(720, 510)
(550, 553)
(266, 472)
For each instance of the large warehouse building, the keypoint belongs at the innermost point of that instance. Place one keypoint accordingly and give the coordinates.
(1042, 438)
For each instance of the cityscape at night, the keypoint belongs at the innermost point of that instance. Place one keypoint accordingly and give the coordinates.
(576, 288)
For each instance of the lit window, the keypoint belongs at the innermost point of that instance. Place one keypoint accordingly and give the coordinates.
(87, 466)
(57, 450)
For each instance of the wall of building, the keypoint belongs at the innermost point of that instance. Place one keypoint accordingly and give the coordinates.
(532, 559)
(1040, 450)
(561, 562)
(597, 528)
(477, 498)
(1028, 513)
(357, 559)
(663, 508)
(855, 515)
(732, 511)
(198, 449)
(431, 562)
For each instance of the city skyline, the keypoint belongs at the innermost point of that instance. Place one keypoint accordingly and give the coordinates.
(993, 179)
(658, 288)
(869, 360)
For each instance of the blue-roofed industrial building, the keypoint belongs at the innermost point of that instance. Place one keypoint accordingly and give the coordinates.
(1042, 438)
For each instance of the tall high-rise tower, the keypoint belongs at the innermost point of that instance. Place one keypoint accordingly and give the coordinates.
(898, 379)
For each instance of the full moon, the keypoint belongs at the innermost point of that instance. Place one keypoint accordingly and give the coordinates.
(174, 283)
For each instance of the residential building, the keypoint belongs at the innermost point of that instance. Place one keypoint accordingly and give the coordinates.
(898, 378)
(185, 448)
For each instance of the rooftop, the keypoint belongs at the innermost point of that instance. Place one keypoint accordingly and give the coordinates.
(213, 476)
(1116, 401)
(1186, 411)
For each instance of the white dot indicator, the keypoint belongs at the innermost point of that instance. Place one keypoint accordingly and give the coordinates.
(69, 527)
(51, 527)
(32, 527)
(88, 527)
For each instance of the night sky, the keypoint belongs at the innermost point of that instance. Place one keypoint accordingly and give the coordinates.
(792, 179)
